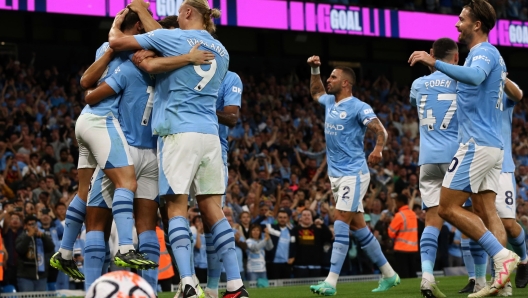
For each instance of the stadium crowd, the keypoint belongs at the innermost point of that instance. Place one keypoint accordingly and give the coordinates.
(505, 9)
(277, 175)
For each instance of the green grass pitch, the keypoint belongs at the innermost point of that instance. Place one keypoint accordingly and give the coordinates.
(409, 288)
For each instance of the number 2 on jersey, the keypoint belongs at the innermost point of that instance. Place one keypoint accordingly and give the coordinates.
(426, 116)
(148, 107)
(206, 75)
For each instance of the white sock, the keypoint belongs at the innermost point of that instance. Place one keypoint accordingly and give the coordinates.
(525, 261)
(481, 280)
(195, 279)
(126, 248)
(233, 285)
(66, 254)
(387, 271)
(471, 278)
(332, 279)
(503, 253)
(187, 281)
(428, 276)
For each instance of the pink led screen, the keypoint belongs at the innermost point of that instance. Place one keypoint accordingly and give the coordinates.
(298, 16)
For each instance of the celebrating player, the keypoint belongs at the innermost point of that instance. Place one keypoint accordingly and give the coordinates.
(346, 121)
(189, 151)
(505, 200)
(475, 168)
(102, 143)
(435, 97)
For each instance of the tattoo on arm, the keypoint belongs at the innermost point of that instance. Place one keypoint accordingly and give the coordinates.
(381, 134)
(317, 88)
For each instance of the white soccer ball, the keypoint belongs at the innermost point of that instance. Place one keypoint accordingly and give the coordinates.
(119, 284)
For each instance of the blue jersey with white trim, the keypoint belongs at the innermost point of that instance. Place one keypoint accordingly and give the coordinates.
(230, 94)
(188, 104)
(111, 103)
(435, 98)
(508, 166)
(135, 108)
(480, 107)
(345, 127)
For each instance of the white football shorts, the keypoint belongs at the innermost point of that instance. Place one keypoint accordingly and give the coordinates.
(505, 199)
(190, 161)
(349, 191)
(101, 142)
(146, 168)
(474, 169)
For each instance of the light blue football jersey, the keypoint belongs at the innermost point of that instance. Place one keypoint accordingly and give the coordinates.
(345, 126)
(230, 94)
(508, 166)
(435, 97)
(110, 104)
(188, 103)
(480, 107)
(135, 108)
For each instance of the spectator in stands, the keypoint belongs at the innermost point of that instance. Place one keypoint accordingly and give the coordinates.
(454, 250)
(310, 237)
(404, 231)
(256, 247)
(34, 249)
(12, 228)
(63, 165)
(200, 256)
(281, 257)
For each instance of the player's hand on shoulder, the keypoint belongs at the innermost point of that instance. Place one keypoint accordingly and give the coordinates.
(198, 57)
(314, 61)
(421, 57)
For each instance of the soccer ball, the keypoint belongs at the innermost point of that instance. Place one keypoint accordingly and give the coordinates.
(120, 284)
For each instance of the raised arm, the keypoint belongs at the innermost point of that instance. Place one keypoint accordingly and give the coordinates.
(117, 39)
(317, 88)
(140, 7)
(381, 138)
(96, 70)
(473, 75)
(512, 90)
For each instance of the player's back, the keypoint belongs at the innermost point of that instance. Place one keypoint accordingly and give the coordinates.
(135, 106)
(109, 104)
(229, 95)
(435, 98)
(508, 166)
(479, 107)
(190, 105)
(345, 126)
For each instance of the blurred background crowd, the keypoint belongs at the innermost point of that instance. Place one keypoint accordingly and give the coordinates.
(279, 200)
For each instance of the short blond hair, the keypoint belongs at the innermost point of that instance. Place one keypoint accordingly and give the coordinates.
(208, 13)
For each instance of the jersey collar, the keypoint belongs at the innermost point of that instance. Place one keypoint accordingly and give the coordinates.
(343, 100)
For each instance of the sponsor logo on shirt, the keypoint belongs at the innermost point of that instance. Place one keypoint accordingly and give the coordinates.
(481, 57)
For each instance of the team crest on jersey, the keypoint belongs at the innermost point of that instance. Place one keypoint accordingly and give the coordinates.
(343, 115)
